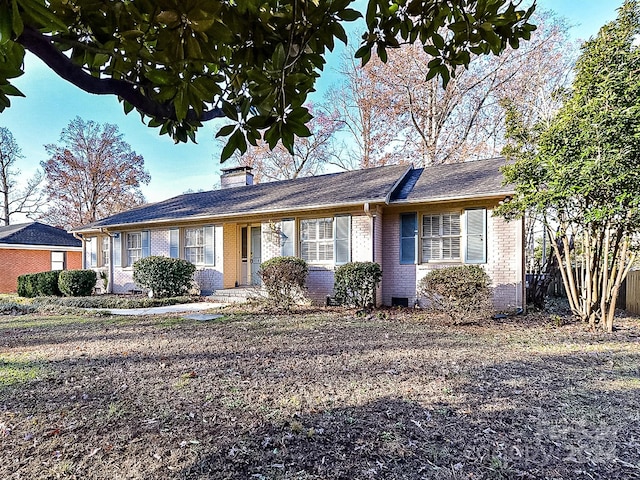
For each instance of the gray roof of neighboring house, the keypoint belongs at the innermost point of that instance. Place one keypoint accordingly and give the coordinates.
(452, 181)
(396, 183)
(36, 233)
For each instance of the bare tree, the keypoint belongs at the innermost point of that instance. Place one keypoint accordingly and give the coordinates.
(393, 113)
(310, 154)
(92, 174)
(27, 200)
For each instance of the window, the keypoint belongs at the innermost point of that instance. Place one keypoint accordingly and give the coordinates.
(134, 247)
(199, 245)
(316, 240)
(138, 246)
(91, 252)
(325, 240)
(105, 251)
(441, 237)
(58, 260)
(194, 245)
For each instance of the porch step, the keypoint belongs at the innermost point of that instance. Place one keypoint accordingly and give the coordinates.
(233, 295)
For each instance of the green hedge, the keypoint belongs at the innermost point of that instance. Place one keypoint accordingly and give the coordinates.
(77, 283)
(355, 284)
(164, 276)
(38, 284)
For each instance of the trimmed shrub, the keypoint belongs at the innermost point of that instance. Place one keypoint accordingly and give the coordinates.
(356, 282)
(38, 284)
(47, 283)
(461, 292)
(27, 285)
(164, 276)
(284, 279)
(77, 283)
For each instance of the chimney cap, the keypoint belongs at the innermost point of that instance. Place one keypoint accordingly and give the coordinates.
(236, 169)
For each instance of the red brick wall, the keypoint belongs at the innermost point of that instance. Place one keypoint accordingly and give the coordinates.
(14, 262)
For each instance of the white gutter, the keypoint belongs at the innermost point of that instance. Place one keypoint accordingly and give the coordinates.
(22, 246)
(214, 217)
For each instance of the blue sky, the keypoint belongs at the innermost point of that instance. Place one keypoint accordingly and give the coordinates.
(51, 103)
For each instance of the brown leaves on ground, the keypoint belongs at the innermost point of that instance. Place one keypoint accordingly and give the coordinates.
(319, 395)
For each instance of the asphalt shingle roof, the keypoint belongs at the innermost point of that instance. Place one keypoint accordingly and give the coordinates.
(36, 233)
(344, 188)
(376, 185)
(458, 180)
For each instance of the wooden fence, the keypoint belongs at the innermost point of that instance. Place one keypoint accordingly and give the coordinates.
(633, 292)
(628, 297)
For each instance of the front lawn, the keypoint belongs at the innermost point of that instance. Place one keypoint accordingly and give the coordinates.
(321, 395)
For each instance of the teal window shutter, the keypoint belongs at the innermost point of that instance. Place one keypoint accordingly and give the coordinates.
(408, 238)
(116, 243)
(476, 231)
(174, 243)
(146, 243)
(287, 236)
(209, 244)
(342, 239)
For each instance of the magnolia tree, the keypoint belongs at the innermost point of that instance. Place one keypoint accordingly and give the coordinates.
(180, 63)
(581, 173)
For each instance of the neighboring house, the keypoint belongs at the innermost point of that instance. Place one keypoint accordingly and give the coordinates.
(35, 247)
(408, 220)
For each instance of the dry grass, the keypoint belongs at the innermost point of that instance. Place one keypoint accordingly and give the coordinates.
(319, 395)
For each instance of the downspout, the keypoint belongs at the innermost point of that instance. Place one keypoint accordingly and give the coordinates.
(77, 236)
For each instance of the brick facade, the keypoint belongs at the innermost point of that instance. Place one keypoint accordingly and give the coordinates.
(208, 278)
(374, 237)
(16, 262)
(504, 263)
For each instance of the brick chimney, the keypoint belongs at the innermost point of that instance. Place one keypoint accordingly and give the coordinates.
(239, 176)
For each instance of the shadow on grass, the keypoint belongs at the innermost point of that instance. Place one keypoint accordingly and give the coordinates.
(272, 400)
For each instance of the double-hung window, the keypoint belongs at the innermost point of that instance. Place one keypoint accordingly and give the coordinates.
(316, 240)
(198, 245)
(58, 260)
(134, 247)
(194, 245)
(104, 250)
(91, 254)
(441, 237)
(138, 245)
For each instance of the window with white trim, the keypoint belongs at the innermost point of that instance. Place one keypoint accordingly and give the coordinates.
(441, 237)
(134, 247)
(91, 253)
(58, 260)
(194, 245)
(104, 251)
(316, 240)
(198, 246)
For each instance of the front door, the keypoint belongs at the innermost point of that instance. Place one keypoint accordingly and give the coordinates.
(256, 254)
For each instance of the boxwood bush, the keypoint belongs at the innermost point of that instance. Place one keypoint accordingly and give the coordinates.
(38, 284)
(284, 279)
(77, 283)
(461, 292)
(47, 283)
(164, 276)
(355, 284)
(27, 285)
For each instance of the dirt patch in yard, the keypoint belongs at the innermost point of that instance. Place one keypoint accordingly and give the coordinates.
(319, 395)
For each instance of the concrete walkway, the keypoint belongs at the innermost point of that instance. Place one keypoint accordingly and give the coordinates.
(180, 308)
